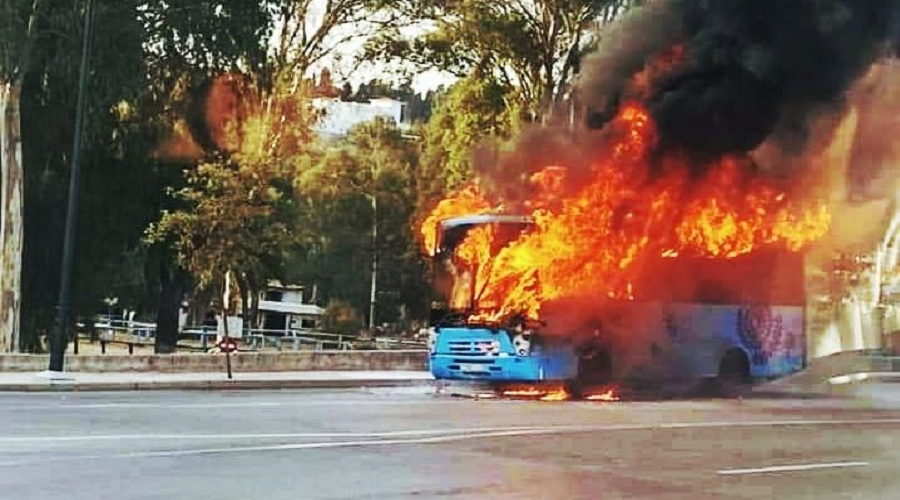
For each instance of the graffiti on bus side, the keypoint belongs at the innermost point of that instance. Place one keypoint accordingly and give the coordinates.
(764, 334)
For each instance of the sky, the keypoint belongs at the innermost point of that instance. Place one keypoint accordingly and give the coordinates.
(344, 66)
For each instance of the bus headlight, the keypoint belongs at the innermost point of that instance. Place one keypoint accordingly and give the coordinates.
(522, 344)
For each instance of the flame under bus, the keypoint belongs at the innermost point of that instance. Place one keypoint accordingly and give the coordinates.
(691, 319)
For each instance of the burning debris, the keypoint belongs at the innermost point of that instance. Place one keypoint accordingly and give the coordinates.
(609, 395)
(556, 393)
(531, 392)
(679, 97)
(541, 394)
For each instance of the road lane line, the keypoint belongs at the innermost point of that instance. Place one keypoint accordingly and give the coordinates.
(284, 447)
(457, 435)
(790, 468)
(426, 432)
(225, 436)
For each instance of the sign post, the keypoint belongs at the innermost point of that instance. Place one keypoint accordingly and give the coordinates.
(226, 344)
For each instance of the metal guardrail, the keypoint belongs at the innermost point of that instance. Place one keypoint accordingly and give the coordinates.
(260, 338)
(134, 333)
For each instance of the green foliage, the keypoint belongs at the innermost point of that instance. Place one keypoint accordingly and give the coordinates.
(146, 57)
(108, 229)
(204, 36)
(374, 163)
(236, 218)
(267, 200)
(474, 112)
(535, 46)
(343, 318)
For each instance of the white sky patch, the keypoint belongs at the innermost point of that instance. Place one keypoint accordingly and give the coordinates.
(345, 66)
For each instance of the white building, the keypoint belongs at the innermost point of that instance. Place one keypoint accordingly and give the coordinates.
(282, 308)
(340, 116)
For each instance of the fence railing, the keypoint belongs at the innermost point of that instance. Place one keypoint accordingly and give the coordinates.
(203, 338)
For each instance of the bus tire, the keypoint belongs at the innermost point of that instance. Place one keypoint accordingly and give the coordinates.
(734, 373)
(595, 369)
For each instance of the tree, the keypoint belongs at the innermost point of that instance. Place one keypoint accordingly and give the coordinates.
(189, 65)
(357, 201)
(150, 59)
(534, 46)
(236, 218)
(17, 40)
(46, 97)
(475, 110)
(249, 119)
(310, 30)
(238, 206)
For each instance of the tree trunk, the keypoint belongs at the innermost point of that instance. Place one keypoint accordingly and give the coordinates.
(11, 210)
(245, 300)
(170, 295)
(373, 290)
(254, 307)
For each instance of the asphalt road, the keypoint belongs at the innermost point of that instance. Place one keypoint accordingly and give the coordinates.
(408, 443)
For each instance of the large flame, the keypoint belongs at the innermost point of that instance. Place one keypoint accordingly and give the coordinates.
(466, 201)
(590, 239)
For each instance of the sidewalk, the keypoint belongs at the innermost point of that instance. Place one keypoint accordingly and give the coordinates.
(131, 381)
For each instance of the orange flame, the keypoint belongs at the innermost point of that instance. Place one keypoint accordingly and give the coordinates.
(466, 201)
(592, 238)
(556, 395)
(545, 394)
(524, 393)
(609, 395)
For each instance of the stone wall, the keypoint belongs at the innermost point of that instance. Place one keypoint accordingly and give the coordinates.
(246, 362)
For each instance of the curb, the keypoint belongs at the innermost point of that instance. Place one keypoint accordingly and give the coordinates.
(211, 385)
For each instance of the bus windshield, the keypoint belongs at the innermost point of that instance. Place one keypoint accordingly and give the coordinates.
(455, 282)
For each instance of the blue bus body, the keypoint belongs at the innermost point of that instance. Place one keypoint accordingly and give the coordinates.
(462, 353)
(644, 341)
(692, 317)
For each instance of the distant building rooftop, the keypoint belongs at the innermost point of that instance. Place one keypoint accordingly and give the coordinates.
(290, 308)
(341, 116)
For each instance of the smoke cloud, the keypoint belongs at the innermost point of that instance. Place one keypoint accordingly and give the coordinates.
(764, 80)
(749, 70)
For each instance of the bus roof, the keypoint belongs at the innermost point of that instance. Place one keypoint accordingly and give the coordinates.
(473, 220)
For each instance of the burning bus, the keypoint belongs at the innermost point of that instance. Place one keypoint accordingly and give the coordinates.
(663, 237)
(691, 319)
(633, 266)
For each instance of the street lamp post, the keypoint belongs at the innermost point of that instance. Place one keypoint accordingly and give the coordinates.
(373, 291)
(60, 328)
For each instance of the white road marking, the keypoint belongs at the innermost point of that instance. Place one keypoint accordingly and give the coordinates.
(790, 468)
(288, 447)
(226, 436)
(425, 432)
(428, 432)
(427, 436)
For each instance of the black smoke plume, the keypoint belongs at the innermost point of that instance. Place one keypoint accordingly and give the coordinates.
(752, 70)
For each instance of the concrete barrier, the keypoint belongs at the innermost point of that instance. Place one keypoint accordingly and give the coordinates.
(815, 378)
(409, 360)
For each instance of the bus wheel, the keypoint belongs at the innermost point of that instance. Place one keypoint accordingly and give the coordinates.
(574, 388)
(734, 373)
(594, 370)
